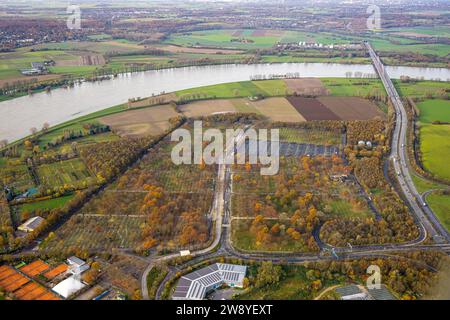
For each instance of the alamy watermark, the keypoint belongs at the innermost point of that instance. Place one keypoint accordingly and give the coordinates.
(373, 22)
(74, 19)
(239, 146)
(374, 280)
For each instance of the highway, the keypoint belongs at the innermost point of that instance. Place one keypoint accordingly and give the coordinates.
(426, 219)
(429, 225)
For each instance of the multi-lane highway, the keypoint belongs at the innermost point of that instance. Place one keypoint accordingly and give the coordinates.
(429, 225)
(428, 222)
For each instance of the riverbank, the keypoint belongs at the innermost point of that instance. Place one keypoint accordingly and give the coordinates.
(65, 104)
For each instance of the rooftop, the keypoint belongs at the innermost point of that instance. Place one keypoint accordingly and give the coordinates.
(195, 285)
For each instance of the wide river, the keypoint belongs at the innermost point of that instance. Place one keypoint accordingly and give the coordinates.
(17, 116)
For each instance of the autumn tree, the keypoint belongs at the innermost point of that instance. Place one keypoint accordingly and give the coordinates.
(268, 274)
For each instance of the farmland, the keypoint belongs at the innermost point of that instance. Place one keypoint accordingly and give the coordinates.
(153, 183)
(65, 172)
(434, 142)
(46, 204)
(148, 121)
(237, 89)
(440, 203)
(422, 89)
(321, 137)
(17, 176)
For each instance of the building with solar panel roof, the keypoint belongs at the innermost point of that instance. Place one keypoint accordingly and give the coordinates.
(195, 285)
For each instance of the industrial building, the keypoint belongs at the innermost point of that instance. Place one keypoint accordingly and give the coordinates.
(195, 285)
(31, 224)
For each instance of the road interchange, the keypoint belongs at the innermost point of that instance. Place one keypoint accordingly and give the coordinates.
(429, 225)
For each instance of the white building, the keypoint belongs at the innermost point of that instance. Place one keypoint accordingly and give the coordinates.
(77, 266)
(195, 285)
(68, 287)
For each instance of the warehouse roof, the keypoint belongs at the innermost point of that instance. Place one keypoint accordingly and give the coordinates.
(194, 285)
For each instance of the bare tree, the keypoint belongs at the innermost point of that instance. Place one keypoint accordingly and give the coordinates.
(45, 126)
(3, 143)
(33, 130)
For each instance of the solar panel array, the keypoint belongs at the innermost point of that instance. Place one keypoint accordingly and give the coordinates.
(195, 285)
(295, 149)
(381, 294)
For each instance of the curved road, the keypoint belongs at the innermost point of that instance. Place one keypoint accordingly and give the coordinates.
(428, 223)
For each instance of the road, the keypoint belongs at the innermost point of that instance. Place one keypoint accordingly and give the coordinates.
(428, 222)
(216, 213)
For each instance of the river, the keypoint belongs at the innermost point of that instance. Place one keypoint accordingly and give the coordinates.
(17, 116)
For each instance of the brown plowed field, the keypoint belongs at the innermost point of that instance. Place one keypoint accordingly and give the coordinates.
(278, 109)
(312, 109)
(207, 107)
(307, 86)
(352, 108)
(148, 121)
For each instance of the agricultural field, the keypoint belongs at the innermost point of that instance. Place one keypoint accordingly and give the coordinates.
(236, 90)
(275, 109)
(96, 233)
(46, 204)
(434, 142)
(354, 87)
(440, 204)
(207, 107)
(69, 172)
(307, 86)
(320, 137)
(142, 122)
(154, 204)
(352, 108)
(336, 108)
(16, 176)
(436, 31)
(422, 89)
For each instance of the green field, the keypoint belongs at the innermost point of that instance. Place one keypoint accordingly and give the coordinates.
(310, 136)
(46, 204)
(441, 207)
(433, 110)
(69, 172)
(353, 87)
(342, 208)
(222, 38)
(421, 88)
(434, 139)
(441, 31)
(244, 239)
(238, 89)
(423, 185)
(16, 176)
(12, 63)
(294, 285)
